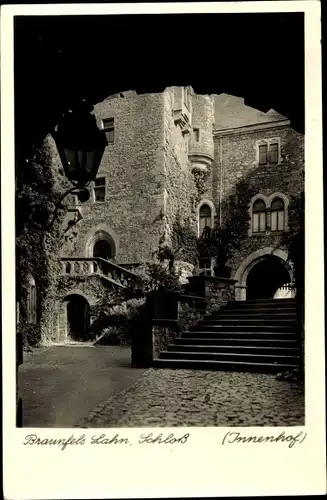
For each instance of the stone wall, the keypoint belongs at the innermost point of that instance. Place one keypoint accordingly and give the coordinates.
(216, 291)
(93, 288)
(133, 168)
(235, 159)
(179, 187)
(239, 161)
(285, 178)
(163, 333)
(201, 137)
(190, 311)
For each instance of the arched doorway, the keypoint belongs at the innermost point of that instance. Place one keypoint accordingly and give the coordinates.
(266, 277)
(78, 317)
(102, 248)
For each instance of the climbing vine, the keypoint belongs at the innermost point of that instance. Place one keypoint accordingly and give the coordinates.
(200, 179)
(224, 240)
(40, 183)
(184, 240)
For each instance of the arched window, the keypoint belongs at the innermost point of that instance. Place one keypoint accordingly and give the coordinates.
(259, 216)
(205, 218)
(68, 267)
(277, 221)
(31, 301)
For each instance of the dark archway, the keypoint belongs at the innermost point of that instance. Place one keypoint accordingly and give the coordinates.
(265, 278)
(78, 317)
(103, 248)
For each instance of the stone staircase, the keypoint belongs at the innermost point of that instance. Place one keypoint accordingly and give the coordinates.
(253, 335)
(110, 272)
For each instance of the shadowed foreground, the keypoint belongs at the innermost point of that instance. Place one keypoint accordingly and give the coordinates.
(61, 385)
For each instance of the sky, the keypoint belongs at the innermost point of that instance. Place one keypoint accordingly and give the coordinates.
(60, 59)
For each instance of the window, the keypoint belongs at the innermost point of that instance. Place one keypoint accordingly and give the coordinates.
(259, 216)
(277, 220)
(186, 97)
(31, 301)
(263, 154)
(274, 152)
(108, 127)
(269, 152)
(204, 217)
(100, 189)
(205, 267)
(186, 137)
(196, 134)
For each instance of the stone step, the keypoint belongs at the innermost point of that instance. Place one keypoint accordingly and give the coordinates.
(257, 335)
(280, 314)
(238, 366)
(248, 305)
(243, 328)
(278, 335)
(238, 349)
(244, 340)
(263, 301)
(247, 321)
(231, 357)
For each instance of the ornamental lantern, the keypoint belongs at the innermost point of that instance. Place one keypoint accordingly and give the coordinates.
(80, 144)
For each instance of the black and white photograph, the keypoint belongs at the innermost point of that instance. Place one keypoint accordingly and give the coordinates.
(160, 174)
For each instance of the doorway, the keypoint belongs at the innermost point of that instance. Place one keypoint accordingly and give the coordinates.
(102, 248)
(78, 318)
(265, 278)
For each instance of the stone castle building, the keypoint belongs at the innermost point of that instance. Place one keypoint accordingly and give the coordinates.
(174, 158)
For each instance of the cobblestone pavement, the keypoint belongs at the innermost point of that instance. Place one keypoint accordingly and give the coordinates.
(61, 385)
(176, 398)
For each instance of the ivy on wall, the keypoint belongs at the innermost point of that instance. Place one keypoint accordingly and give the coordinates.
(39, 184)
(184, 240)
(200, 179)
(224, 240)
(90, 285)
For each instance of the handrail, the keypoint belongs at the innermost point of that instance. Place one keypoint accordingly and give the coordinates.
(106, 261)
(122, 269)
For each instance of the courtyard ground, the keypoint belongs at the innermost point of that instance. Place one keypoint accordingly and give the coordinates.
(61, 385)
(95, 387)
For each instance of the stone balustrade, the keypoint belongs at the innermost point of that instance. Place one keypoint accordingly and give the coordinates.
(88, 266)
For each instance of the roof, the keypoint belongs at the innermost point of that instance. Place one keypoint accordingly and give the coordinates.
(232, 112)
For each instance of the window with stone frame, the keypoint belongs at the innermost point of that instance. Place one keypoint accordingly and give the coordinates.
(273, 152)
(186, 97)
(205, 267)
(109, 129)
(205, 217)
(196, 134)
(263, 154)
(99, 189)
(186, 137)
(277, 215)
(268, 152)
(259, 216)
